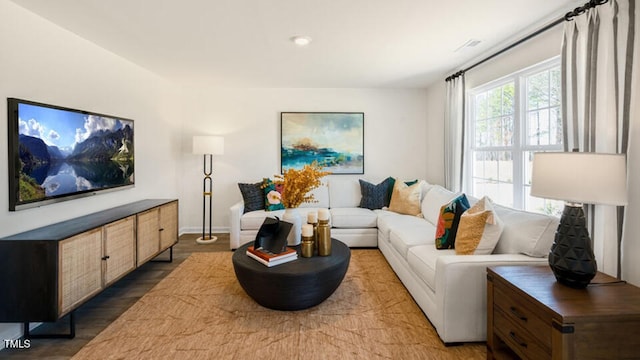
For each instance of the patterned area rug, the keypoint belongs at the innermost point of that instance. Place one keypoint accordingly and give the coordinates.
(200, 311)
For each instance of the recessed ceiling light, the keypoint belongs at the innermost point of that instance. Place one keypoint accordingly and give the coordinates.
(301, 40)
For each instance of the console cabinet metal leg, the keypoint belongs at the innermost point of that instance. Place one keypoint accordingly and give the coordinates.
(49, 272)
(72, 331)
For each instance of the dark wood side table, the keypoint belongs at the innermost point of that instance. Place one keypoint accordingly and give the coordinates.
(531, 316)
(296, 285)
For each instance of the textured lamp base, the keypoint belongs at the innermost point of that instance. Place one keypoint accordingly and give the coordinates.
(571, 257)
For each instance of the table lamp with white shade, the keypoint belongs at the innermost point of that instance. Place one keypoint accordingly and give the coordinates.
(577, 178)
(207, 146)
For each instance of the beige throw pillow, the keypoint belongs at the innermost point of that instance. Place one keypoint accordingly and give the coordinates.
(406, 199)
(479, 229)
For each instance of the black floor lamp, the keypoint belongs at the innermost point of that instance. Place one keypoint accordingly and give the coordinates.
(207, 146)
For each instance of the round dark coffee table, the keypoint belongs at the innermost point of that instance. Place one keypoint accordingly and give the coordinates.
(296, 285)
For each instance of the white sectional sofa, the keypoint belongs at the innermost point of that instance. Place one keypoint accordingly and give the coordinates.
(449, 288)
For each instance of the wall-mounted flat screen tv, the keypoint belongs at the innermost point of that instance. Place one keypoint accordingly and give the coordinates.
(58, 154)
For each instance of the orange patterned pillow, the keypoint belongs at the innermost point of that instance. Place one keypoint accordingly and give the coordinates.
(449, 220)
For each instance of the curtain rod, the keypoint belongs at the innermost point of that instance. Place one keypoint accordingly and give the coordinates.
(567, 17)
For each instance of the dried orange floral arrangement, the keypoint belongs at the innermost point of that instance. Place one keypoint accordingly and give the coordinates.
(297, 184)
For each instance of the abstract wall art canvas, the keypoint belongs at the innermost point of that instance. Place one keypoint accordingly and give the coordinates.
(335, 140)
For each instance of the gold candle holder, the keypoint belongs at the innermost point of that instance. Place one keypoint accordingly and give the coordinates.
(307, 246)
(324, 233)
(307, 240)
(312, 219)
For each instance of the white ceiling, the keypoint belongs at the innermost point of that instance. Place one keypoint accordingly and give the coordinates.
(245, 43)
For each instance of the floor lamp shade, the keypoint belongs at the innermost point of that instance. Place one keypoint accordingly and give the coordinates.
(207, 146)
(577, 178)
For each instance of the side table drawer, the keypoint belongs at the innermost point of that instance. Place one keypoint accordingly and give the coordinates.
(519, 312)
(518, 339)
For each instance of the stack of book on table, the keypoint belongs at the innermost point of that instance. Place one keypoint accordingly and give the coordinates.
(270, 259)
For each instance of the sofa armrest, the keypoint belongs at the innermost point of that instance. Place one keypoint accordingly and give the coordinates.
(236, 210)
(461, 292)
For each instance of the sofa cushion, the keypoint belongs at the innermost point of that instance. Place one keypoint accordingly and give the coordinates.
(448, 222)
(375, 196)
(252, 196)
(321, 197)
(254, 219)
(386, 219)
(422, 259)
(353, 218)
(406, 199)
(525, 232)
(436, 197)
(344, 193)
(404, 237)
(479, 230)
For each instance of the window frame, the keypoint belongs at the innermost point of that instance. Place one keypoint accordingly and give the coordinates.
(519, 145)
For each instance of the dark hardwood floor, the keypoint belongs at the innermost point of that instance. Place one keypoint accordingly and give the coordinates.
(95, 315)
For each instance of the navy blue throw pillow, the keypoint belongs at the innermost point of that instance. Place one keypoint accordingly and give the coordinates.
(253, 196)
(375, 196)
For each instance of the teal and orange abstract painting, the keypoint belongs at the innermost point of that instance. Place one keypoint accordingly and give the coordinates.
(334, 140)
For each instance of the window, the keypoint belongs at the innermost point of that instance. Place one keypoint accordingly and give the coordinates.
(508, 120)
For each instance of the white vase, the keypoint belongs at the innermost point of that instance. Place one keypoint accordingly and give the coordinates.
(292, 215)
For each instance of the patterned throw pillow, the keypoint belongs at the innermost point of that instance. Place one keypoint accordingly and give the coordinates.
(272, 195)
(406, 199)
(375, 196)
(449, 220)
(253, 196)
(479, 229)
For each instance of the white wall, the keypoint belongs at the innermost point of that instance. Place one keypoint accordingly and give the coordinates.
(631, 240)
(249, 119)
(536, 50)
(40, 61)
(436, 98)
